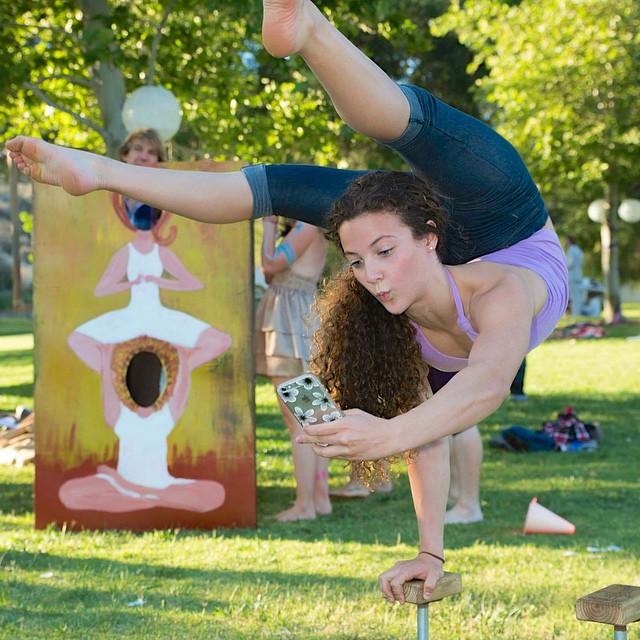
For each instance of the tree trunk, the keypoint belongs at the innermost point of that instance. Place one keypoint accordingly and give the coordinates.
(108, 80)
(611, 257)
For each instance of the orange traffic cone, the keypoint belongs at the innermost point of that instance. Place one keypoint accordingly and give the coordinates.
(541, 520)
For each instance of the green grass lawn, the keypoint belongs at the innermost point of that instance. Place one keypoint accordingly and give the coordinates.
(318, 580)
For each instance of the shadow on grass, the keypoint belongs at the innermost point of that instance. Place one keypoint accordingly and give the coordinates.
(16, 498)
(168, 591)
(16, 357)
(15, 325)
(19, 390)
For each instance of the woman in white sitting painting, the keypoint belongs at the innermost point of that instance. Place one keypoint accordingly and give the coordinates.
(142, 479)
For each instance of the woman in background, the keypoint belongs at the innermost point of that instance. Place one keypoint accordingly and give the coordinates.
(292, 265)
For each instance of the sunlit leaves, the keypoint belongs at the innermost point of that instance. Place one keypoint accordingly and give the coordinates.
(561, 73)
(563, 83)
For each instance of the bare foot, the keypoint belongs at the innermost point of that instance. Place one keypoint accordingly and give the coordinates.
(462, 515)
(285, 25)
(294, 514)
(58, 166)
(352, 489)
(323, 505)
(383, 487)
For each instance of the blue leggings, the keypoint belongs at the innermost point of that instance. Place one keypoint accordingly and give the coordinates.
(480, 178)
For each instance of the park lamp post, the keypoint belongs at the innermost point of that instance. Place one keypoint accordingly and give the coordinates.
(152, 107)
(604, 213)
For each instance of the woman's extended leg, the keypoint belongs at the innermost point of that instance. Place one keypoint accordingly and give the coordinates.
(496, 204)
(362, 93)
(200, 195)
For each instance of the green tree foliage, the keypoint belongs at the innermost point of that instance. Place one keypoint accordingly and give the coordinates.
(562, 83)
(71, 64)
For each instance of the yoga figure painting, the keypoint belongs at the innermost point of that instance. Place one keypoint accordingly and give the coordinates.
(156, 346)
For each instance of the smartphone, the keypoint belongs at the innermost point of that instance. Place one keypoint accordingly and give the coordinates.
(308, 400)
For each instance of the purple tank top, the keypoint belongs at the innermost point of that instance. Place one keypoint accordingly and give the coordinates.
(543, 254)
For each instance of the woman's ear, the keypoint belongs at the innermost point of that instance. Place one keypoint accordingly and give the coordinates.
(431, 241)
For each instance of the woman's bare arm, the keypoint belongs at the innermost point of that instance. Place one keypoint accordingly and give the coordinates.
(469, 397)
(429, 477)
(276, 259)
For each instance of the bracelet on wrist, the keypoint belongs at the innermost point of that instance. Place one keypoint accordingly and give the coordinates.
(433, 555)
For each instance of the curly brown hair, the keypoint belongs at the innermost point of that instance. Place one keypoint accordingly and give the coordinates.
(368, 358)
(406, 195)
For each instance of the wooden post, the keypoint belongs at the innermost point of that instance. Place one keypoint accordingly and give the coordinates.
(617, 605)
(449, 585)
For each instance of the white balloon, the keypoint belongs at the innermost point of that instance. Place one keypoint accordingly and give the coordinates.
(153, 107)
(597, 210)
(629, 210)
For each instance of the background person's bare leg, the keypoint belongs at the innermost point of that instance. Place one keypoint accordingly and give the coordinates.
(466, 461)
(310, 471)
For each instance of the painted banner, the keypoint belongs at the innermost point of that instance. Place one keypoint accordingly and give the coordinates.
(143, 395)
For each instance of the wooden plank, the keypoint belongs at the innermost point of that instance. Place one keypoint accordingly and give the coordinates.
(22, 440)
(10, 434)
(24, 457)
(28, 421)
(449, 585)
(617, 604)
(26, 442)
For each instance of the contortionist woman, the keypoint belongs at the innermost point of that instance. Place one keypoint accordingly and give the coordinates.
(500, 294)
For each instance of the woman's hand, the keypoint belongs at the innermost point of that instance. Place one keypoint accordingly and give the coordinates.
(422, 567)
(356, 436)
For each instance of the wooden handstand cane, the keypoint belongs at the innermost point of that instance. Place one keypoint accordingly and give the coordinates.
(449, 585)
(617, 604)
